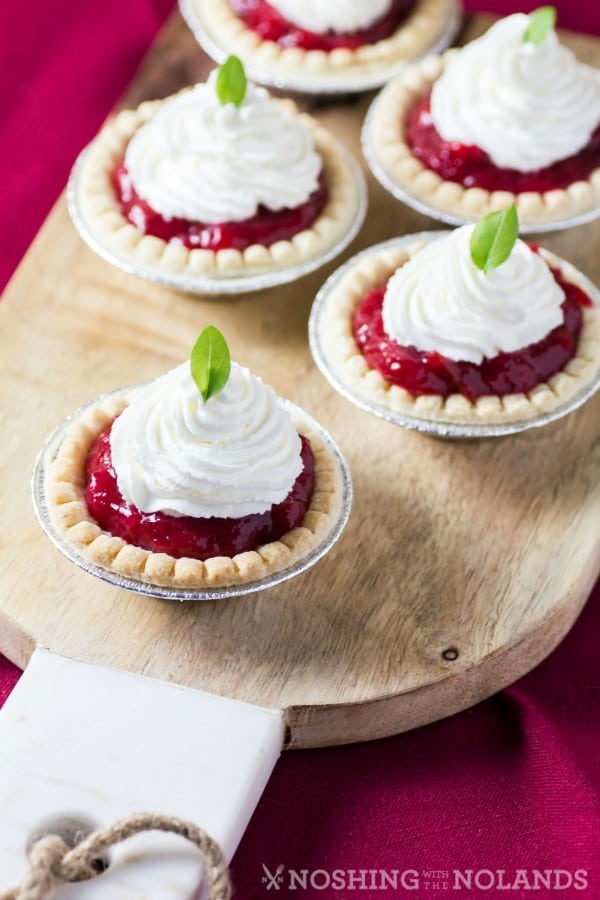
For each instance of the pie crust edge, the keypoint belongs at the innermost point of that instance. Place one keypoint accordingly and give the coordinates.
(100, 210)
(351, 369)
(385, 141)
(415, 35)
(65, 493)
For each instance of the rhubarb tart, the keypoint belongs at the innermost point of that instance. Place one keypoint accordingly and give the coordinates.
(466, 333)
(217, 189)
(201, 484)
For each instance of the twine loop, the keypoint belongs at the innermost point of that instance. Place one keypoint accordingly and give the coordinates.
(52, 863)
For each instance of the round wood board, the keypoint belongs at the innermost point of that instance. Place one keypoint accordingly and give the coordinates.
(463, 565)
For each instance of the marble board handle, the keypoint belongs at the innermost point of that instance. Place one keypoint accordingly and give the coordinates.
(86, 744)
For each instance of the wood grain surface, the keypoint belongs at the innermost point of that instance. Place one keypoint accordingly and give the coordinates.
(462, 566)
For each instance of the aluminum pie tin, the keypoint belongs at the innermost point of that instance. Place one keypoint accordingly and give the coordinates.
(318, 346)
(42, 511)
(421, 206)
(342, 84)
(199, 284)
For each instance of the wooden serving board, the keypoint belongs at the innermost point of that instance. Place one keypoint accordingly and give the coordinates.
(463, 564)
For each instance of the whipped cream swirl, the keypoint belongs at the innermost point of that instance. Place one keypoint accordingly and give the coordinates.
(527, 106)
(342, 16)
(200, 160)
(440, 301)
(236, 454)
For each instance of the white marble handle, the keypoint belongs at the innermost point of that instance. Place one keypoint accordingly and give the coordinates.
(96, 744)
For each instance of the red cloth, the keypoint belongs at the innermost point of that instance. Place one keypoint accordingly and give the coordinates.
(579, 15)
(511, 784)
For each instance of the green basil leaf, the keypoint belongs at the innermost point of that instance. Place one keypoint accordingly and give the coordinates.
(541, 23)
(494, 237)
(210, 362)
(231, 82)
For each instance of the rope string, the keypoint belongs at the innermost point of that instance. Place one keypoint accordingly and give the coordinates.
(52, 863)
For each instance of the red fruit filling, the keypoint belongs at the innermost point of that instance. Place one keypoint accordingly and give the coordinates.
(470, 166)
(421, 372)
(179, 536)
(270, 25)
(266, 227)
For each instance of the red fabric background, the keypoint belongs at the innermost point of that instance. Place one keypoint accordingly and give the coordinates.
(511, 784)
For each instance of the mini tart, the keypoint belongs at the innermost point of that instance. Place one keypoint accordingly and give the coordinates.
(65, 494)
(106, 228)
(394, 165)
(431, 25)
(351, 371)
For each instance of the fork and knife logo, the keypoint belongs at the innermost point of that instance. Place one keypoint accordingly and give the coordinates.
(273, 879)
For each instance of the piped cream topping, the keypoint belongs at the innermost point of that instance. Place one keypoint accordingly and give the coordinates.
(342, 16)
(236, 454)
(440, 301)
(526, 105)
(202, 161)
